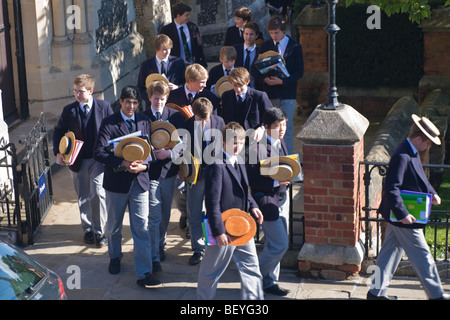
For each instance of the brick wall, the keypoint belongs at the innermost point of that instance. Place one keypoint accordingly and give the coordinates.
(332, 197)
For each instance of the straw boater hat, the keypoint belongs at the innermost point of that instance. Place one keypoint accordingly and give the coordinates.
(132, 149)
(222, 85)
(428, 128)
(239, 225)
(187, 168)
(161, 134)
(280, 168)
(179, 109)
(67, 145)
(155, 77)
(268, 54)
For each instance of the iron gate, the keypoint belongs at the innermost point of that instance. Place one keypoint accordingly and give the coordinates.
(26, 206)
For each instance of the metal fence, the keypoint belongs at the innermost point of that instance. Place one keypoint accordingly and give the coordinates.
(372, 223)
(26, 205)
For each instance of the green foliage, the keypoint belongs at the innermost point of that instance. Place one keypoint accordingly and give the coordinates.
(417, 10)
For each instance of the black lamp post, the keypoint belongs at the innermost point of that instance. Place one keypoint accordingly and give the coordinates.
(332, 29)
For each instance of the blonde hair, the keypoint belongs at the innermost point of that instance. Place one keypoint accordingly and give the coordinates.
(240, 76)
(162, 42)
(85, 80)
(195, 72)
(158, 87)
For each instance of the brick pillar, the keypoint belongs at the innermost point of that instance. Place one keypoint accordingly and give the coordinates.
(333, 146)
(436, 41)
(313, 87)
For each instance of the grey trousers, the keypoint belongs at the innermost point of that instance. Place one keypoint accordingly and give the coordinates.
(88, 184)
(215, 262)
(412, 242)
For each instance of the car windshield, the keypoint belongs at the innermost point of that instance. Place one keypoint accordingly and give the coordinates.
(18, 274)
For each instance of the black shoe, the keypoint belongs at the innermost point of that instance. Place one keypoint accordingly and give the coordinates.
(156, 266)
(276, 290)
(114, 266)
(89, 237)
(195, 259)
(148, 281)
(100, 240)
(371, 296)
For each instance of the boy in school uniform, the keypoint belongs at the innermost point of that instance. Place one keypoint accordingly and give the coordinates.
(271, 197)
(245, 105)
(83, 118)
(185, 34)
(203, 128)
(227, 57)
(235, 34)
(162, 173)
(282, 91)
(195, 87)
(126, 184)
(163, 63)
(227, 188)
(248, 50)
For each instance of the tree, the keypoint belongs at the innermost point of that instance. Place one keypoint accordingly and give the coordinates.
(416, 9)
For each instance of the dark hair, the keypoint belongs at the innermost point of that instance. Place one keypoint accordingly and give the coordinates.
(244, 13)
(202, 107)
(130, 92)
(276, 22)
(253, 26)
(179, 9)
(272, 115)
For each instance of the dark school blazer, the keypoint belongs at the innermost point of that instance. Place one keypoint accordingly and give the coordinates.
(405, 172)
(223, 191)
(293, 56)
(70, 120)
(112, 127)
(255, 104)
(165, 168)
(178, 96)
(265, 194)
(196, 41)
(175, 69)
(216, 122)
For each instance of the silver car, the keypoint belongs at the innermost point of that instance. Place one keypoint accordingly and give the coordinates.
(23, 278)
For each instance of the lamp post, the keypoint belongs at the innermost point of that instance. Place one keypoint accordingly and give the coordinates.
(332, 29)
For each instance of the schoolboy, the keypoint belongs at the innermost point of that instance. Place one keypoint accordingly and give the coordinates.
(282, 91)
(84, 117)
(163, 63)
(203, 128)
(227, 57)
(195, 87)
(185, 34)
(126, 184)
(162, 173)
(271, 197)
(227, 188)
(245, 105)
(248, 50)
(234, 34)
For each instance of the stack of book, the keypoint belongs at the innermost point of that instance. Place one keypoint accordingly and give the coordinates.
(418, 205)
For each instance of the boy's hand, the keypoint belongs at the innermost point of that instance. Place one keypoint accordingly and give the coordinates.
(257, 214)
(223, 240)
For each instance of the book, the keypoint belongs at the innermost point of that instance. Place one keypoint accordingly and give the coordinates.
(272, 66)
(210, 240)
(418, 205)
(76, 151)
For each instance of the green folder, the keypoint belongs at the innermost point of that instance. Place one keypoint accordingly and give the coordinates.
(418, 205)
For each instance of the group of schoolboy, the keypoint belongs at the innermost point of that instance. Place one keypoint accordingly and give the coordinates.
(107, 185)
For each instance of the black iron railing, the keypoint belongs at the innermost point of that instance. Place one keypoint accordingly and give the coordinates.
(26, 205)
(371, 222)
